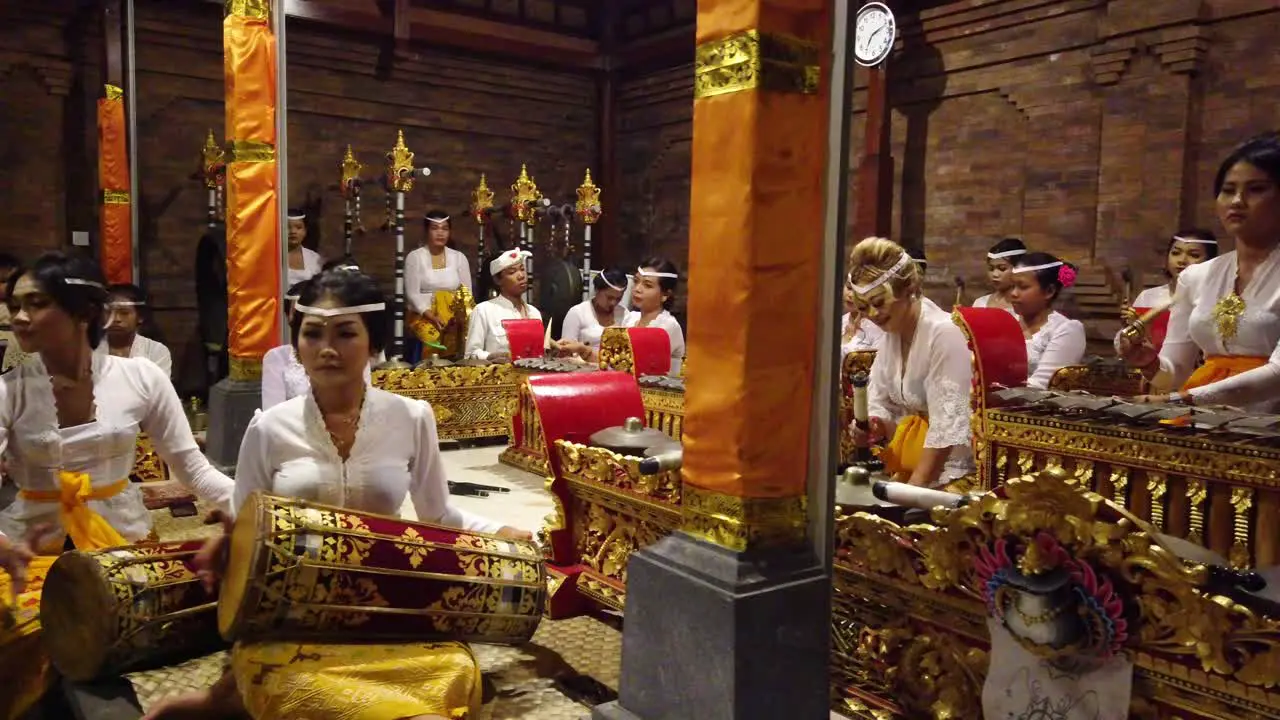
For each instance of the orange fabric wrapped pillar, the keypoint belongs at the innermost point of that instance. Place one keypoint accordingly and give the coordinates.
(116, 224)
(756, 231)
(253, 222)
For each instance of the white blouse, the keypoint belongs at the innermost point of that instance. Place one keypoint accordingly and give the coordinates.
(1193, 329)
(866, 337)
(485, 334)
(144, 348)
(421, 281)
(1151, 297)
(287, 451)
(1058, 343)
(581, 324)
(934, 381)
(283, 377)
(668, 322)
(130, 395)
(985, 301)
(311, 265)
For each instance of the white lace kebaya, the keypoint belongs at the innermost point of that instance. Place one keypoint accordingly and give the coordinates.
(288, 452)
(934, 381)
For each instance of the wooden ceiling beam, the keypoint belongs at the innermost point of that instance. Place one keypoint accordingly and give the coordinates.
(406, 24)
(665, 49)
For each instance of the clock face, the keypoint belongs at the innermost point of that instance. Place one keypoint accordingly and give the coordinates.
(874, 34)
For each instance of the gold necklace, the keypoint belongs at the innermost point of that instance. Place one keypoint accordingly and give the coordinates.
(342, 423)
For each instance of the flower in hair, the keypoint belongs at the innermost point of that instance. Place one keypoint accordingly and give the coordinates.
(1066, 275)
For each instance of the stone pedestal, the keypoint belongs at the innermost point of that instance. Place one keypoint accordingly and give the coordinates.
(231, 407)
(714, 634)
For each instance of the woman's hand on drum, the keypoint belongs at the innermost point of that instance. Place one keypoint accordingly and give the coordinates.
(880, 430)
(510, 533)
(573, 347)
(211, 561)
(15, 556)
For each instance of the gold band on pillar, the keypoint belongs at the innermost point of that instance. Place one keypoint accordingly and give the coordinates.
(244, 368)
(740, 523)
(756, 61)
(755, 257)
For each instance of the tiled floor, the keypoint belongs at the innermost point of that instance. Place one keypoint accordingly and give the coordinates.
(524, 507)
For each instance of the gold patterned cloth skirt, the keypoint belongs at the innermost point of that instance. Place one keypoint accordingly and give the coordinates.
(25, 670)
(453, 307)
(357, 682)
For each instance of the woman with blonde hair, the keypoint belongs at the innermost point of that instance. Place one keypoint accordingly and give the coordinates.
(918, 395)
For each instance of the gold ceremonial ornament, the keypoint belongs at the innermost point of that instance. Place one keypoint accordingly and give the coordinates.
(1227, 315)
(400, 166)
(524, 195)
(588, 206)
(213, 163)
(351, 171)
(481, 201)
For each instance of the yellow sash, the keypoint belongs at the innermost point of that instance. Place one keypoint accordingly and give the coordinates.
(449, 305)
(902, 454)
(1221, 367)
(88, 529)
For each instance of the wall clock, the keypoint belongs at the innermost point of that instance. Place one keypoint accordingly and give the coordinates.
(874, 34)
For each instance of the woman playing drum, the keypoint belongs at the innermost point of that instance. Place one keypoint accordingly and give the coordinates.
(350, 445)
(68, 428)
(1228, 307)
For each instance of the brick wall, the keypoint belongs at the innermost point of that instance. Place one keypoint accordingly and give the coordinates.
(460, 116)
(1090, 128)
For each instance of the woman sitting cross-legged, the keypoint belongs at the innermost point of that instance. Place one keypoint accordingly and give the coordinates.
(351, 445)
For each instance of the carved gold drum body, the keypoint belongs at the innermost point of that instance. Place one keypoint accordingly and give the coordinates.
(310, 572)
(111, 611)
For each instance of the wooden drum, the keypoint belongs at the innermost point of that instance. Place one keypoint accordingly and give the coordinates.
(308, 572)
(110, 611)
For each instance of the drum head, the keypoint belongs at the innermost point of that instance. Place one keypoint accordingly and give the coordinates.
(240, 592)
(78, 615)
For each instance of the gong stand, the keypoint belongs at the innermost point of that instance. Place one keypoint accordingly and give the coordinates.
(399, 179)
(588, 210)
(350, 186)
(213, 174)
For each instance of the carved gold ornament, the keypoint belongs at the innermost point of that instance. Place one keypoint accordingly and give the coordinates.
(1226, 314)
(921, 580)
(524, 195)
(350, 172)
(469, 401)
(753, 60)
(213, 164)
(481, 201)
(400, 166)
(587, 207)
(743, 524)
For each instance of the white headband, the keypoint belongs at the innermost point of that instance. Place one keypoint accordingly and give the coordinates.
(438, 221)
(882, 278)
(334, 312)
(1033, 268)
(292, 298)
(126, 303)
(296, 217)
(641, 272)
(600, 273)
(1197, 241)
(1006, 253)
(346, 268)
(82, 281)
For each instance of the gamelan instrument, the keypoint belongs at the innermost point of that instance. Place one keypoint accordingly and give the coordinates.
(110, 611)
(525, 338)
(1205, 474)
(1152, 322)
(312, 572)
